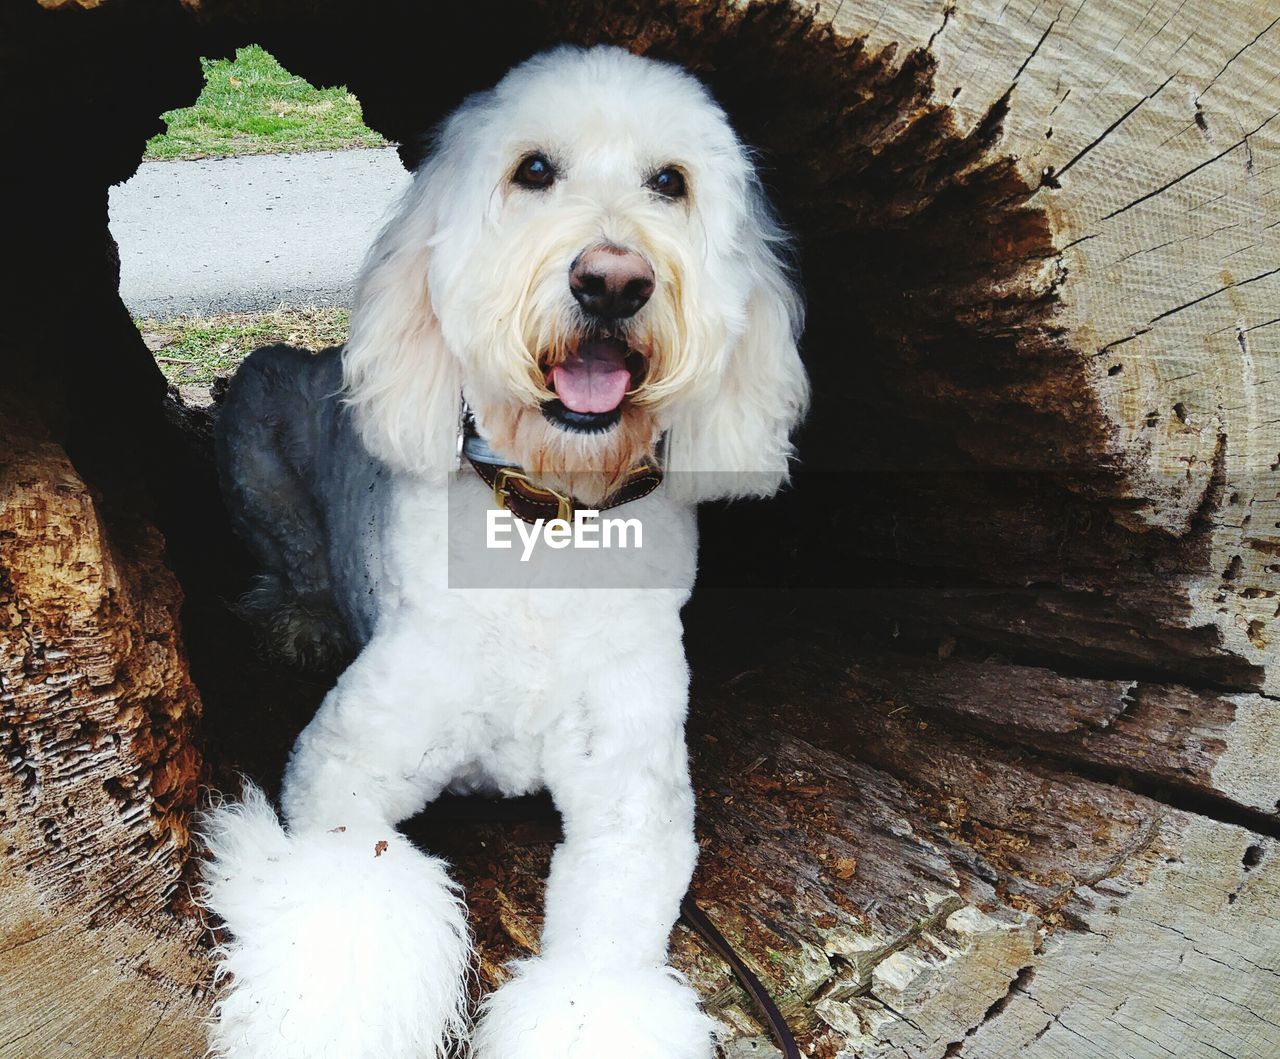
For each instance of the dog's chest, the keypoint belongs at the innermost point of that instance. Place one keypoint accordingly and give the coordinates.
(524, 665)
(533, 663)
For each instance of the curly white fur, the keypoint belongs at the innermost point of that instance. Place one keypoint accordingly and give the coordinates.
(564, 1011)
(339, 473)
(351, 929)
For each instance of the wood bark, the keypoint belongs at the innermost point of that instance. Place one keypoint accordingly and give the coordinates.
(96, 725)
(987, 767)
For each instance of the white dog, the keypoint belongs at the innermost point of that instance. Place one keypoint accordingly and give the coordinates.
(588, 261)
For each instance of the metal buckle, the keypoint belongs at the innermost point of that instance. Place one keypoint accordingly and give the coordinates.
(564, 504)
(465, 420)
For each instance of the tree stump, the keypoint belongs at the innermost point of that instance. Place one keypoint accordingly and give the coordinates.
(988, 766)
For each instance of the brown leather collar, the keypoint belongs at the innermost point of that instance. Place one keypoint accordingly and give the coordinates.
(524, 498)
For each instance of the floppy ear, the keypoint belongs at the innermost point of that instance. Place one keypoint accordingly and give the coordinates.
(736, 442)
(401, 381)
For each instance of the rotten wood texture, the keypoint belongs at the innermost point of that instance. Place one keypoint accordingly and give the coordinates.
(99, 774)
(909, 890)
(1194, 744)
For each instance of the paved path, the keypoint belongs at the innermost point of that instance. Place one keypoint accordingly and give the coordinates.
(242, 234)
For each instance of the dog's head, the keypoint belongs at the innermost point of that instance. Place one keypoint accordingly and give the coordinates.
(587, 256)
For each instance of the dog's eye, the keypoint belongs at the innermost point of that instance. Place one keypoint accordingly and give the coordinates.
(535, 171)
(668, 182)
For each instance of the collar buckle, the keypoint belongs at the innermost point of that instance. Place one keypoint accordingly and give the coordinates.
(507, 475)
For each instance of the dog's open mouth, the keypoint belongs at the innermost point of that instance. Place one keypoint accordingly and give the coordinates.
(592, 383)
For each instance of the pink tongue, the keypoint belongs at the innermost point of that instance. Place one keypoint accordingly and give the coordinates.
(595, 378)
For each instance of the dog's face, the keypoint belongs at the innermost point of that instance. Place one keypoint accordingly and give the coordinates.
(589, 246)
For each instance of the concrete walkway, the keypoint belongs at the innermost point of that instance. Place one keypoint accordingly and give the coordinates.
(252, 233)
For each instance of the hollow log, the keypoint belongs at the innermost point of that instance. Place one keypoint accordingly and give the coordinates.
(984, 721)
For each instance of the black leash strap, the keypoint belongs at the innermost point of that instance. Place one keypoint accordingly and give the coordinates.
(697, 921)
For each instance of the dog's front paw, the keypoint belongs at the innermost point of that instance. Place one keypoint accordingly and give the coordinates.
(554, 1009)
(342, 944)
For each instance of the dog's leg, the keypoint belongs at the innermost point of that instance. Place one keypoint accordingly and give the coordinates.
(601, 986)
(345, 941)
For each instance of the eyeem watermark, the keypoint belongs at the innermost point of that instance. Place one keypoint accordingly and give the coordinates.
(587, 530)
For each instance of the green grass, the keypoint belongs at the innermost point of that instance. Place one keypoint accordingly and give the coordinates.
(253, 105)
(196, 350)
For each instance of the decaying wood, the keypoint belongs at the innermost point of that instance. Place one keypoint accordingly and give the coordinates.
(1201, 743)
(96, 728)
(1012, 790)
(906, 890)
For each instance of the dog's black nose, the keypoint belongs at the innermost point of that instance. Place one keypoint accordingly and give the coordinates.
(611, 283)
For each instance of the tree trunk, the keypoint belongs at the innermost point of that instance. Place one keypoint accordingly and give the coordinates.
(988, 766)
